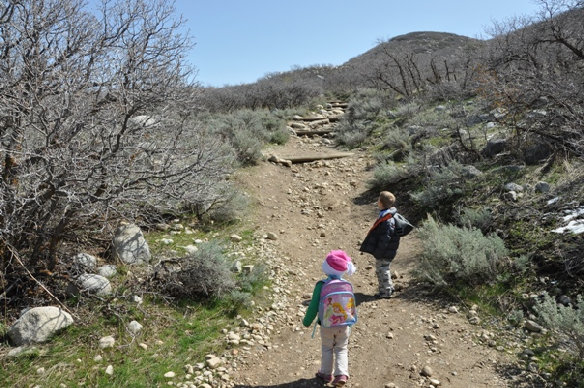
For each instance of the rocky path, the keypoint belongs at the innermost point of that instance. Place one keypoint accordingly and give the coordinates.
(305, 210)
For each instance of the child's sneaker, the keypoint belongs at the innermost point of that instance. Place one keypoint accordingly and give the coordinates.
(340, 381)
(325, 378)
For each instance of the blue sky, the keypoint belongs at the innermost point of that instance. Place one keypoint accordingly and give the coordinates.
(240, 41)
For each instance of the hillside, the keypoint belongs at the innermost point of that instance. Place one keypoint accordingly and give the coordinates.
(441, 45)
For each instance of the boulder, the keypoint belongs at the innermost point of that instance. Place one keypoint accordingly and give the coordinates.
(537, 152)
(38, 325)
(494, 147)
(542, 187)
(107, 271)
(130, 245)
(93, 284)
(84, 261)
(471, 171)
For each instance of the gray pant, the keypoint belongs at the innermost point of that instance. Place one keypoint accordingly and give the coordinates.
(335, 341)
(384, 275)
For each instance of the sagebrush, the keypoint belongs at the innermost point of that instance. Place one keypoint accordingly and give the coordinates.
(458, 256)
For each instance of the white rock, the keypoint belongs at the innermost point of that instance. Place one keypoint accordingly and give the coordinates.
(107, 342)
(94, 284)
(134, 327)
(130, 246)
(84, 261)
(107, 271)
(191, 249)
(38, 325)
(213, 362)
(109, 370)
(170, 375)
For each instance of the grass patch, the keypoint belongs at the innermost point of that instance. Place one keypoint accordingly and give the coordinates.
(174, 336)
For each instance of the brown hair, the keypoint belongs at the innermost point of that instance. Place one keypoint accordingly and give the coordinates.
(387, 199)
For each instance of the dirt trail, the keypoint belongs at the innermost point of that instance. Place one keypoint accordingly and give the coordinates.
(313, 208)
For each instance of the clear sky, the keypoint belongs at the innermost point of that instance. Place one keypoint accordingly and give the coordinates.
(239, 41)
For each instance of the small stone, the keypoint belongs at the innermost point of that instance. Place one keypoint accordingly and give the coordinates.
(213, 362)
(134, 328)
(474, 320)
(434, 382)
(170, 375)
(453, 310)
(426, 371)
(533, 326)
(235, 238)
(107, 342)
(97, 358)
(109, 370)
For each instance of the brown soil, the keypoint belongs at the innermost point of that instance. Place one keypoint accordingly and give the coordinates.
(316, 207)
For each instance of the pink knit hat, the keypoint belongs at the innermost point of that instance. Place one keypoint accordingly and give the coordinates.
(337, 263)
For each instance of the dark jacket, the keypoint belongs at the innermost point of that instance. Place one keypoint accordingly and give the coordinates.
(382, 242)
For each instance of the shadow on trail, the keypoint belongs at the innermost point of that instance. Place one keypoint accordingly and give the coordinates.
(368, 197)
(361, 298)
(314, 382)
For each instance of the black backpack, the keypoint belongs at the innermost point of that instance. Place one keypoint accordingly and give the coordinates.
(402, 226)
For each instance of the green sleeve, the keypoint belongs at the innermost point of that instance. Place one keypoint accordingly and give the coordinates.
(312, 310)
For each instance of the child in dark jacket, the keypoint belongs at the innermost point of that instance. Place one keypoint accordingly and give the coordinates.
(382, 243)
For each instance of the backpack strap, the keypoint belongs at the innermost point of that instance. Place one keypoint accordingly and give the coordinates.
(379, 221)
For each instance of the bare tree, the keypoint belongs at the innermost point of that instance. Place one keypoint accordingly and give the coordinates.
(538, 63)
(94, 123)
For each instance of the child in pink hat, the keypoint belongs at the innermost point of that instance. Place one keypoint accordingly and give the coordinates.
(335, 340)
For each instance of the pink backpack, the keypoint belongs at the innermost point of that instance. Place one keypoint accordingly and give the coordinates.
(337, 303)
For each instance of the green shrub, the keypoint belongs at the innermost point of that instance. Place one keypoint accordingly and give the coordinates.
(396, 138)
(280, 136)
(458, 256)
(206, 273)
(247, 146)
(240, 299)
(352, 134)
(387, 174)
(247, 131)
(442, 186)
(232, 207)
(475, 218)
(407, 110)
(366, 109)
(251, 282)
(566, 321)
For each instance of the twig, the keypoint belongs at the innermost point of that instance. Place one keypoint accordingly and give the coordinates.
(15, 255)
